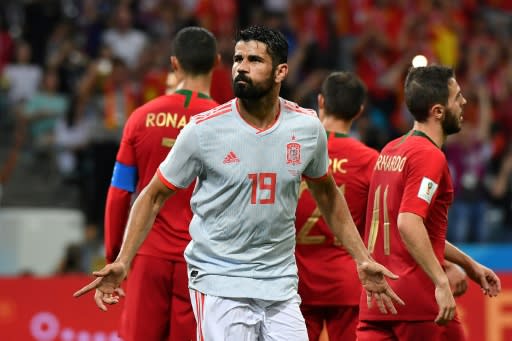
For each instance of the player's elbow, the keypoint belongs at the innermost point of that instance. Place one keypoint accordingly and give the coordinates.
(408, 223)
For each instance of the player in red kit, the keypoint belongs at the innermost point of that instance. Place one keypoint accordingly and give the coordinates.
(410, 193)
(328, 281)
(159, 269)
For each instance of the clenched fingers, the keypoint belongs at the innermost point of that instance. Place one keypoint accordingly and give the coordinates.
(445, 315)
(491, 285)
(102, 298)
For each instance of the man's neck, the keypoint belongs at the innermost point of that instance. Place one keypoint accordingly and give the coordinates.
(435, 132)
(336, 126)
(197, 83)
(260, 113)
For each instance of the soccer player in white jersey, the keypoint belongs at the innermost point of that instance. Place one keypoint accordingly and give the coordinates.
(248, 157)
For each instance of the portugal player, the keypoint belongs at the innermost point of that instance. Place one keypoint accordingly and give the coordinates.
(410, 193)
(328, 282)
(159, 269)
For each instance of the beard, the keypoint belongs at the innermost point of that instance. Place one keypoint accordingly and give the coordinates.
(249, 90)
(451, 123)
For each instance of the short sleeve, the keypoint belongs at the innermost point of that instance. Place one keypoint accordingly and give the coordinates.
(423, 176)
(318, 165)
(182, 165)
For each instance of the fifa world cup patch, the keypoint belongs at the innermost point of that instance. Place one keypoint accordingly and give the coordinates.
(427, 189)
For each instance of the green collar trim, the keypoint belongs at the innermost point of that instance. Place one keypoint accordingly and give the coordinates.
(336, 134)
(422, 134)
(188, 95)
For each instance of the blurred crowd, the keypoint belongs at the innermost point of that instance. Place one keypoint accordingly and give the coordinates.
(71, 72)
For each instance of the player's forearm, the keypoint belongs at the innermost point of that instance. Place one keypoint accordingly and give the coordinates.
(337, 215)
(455, 255)
(345, 230)
(417, 242)
(141, 219)
(116, 216)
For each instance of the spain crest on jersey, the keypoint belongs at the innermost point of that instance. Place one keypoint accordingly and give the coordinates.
(293, 153)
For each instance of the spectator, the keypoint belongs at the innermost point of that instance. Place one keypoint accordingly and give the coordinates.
(468, 153)
(126, 41)
(22, 76)
(42, 111)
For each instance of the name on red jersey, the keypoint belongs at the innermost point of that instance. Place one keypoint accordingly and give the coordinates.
(390, 163)
(166, 119)
(336, 165)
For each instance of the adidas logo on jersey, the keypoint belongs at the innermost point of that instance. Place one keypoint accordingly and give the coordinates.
(231, 158)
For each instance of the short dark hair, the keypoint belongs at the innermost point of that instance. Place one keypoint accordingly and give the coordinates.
(196, 50)
(344, 94)
(425, 87)
(277, 46)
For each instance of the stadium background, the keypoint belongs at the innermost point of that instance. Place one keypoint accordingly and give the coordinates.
(61, 62)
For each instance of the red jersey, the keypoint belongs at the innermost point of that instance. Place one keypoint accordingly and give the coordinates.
(148, 136)
(410, 175)
(327, 273)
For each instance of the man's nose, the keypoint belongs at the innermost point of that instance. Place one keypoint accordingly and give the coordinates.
(243, 66)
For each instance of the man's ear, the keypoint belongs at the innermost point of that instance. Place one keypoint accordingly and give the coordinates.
(438, 111)
(175, 63)
(321, 101)
(281, 72)
(361, 109)
(321, 106)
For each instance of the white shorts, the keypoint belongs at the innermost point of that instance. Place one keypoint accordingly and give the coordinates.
(246, 319)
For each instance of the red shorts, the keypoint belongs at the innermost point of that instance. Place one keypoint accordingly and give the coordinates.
(340, 322)
(157, 304)
(454, 331)
(398, 331)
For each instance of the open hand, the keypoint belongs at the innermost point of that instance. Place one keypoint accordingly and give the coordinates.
(486, 278)
(446, 303)
(107, 285)
(372, 276)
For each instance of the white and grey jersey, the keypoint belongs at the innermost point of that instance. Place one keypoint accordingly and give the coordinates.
(243, 233)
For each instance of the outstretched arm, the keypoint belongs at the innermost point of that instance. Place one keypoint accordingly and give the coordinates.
(416, 240)
(485, 277)
(336, 213)
(142, 215)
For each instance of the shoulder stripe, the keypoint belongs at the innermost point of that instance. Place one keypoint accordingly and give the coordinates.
(298, 109)
(211, 115)
(219, 110)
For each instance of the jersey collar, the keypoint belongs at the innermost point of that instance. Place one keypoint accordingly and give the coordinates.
(417, 133)
(336, 134)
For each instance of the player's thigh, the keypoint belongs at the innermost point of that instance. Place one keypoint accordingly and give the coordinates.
(374, 331)
(284, 321)
(225, 319)
(147, 303)
(406, 331)
(342, 322)
(314, 317)
(453, 331)
(182, 321)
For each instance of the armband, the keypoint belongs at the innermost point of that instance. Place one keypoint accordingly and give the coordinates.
(124, 177)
